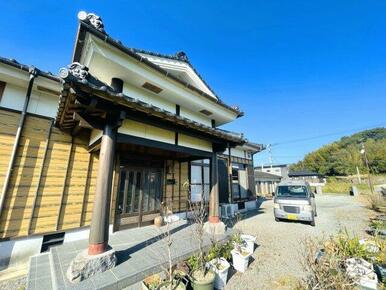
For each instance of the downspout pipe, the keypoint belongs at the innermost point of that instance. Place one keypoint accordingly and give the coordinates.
(33, 72)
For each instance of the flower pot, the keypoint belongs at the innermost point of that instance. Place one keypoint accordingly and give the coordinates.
(240, 260)
(250, 242)
(381, 272)
(200, 282)
(220, 267)
(156, 282)
(158, 221)
(164, 286)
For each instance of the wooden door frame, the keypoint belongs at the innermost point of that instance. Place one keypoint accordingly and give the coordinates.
(140, 212)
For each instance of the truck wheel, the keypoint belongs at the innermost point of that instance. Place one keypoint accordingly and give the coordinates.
(312, 223)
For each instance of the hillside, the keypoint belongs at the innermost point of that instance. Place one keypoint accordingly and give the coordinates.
(342, 156)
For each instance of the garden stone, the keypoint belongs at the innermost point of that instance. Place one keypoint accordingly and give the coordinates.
(85, 265)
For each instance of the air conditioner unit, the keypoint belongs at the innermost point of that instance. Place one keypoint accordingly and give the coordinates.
(226, 210)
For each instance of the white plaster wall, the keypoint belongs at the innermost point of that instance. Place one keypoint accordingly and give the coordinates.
(108, 61)
(130, 127)
(16, 252)
(192, 142)
(195, 117)
(235, 152)
(148, 97)
(40, 103)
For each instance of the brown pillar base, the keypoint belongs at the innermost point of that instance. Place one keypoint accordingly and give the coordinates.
(96, 249)
(214, 219)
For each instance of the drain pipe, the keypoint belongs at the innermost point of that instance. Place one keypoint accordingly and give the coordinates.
(33, 72)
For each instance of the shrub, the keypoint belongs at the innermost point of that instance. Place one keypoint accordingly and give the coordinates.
(376, 201)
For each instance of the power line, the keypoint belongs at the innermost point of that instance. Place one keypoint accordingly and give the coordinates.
(323, 135)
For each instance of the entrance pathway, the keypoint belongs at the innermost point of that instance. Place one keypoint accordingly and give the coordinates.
(140, 252)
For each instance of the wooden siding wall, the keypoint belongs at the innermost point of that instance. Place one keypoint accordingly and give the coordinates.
(176, 195)
(51, 187)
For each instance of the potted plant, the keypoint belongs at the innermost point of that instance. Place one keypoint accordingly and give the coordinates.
(170, 278)
(240, 258)
(201, 276)
(219, 265)
(249, 242)
(156, 282)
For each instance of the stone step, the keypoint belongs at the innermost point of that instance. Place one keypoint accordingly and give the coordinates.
(39, 273)
(140, 252)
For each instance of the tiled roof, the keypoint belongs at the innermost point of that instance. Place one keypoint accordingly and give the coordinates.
(14, 63)
(100, 89)
(101, 34)
(265, 175)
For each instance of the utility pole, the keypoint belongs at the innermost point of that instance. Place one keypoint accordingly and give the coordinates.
(359, 175)
(364, 153)
(270, 154)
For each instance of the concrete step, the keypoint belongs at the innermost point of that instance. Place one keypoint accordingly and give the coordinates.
(40, 273)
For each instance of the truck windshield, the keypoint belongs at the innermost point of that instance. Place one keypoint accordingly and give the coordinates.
(292, 190)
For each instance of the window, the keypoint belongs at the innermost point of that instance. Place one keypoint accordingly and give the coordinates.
(200, 180)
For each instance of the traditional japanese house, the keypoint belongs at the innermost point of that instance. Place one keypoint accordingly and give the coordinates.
(98, 148)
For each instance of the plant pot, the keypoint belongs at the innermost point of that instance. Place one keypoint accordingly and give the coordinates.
(221, 272)
(164, 286)
(205, 283)
(250, 241)
(381, 273)
(240, 260)
(158, 221)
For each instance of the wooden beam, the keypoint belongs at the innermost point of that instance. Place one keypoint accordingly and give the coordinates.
(64, 184)
(40, 176)
(122, 138)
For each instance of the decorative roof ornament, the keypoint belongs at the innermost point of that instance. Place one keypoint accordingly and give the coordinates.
(182, 56)
(75, 69)
(92, 19)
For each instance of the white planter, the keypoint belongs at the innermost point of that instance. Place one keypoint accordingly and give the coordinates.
(240, 262)
(221, 275)
(250, 242)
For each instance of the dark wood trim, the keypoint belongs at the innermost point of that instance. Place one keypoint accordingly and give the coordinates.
(172, 185)
(40, 176)
(123, 138)
(64, 184)
(156, 122)
(190, 180)
(176, 138)
(178, 110)
(2, 88)
(179, 186)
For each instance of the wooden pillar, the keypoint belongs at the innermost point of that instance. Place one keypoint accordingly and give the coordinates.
(230, 182)
(214, 198)
(99, 229)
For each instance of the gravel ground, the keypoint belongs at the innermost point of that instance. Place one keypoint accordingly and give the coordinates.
(13, 284)
(278, 254)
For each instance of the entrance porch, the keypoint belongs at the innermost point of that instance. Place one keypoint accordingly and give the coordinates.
(150, 176)
(140, 253)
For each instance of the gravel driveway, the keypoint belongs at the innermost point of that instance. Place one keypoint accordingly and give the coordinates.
(277, 257)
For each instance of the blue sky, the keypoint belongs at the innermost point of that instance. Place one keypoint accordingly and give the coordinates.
(298, 69)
